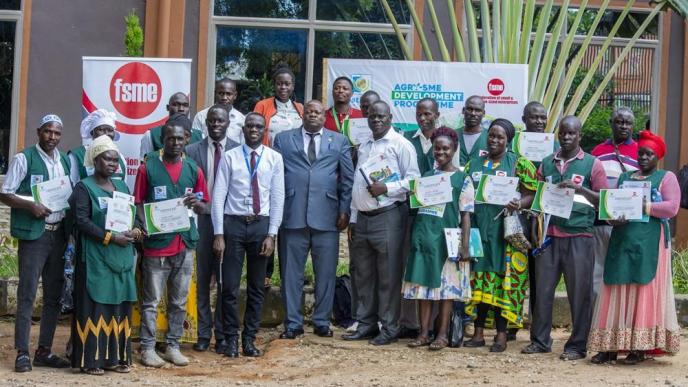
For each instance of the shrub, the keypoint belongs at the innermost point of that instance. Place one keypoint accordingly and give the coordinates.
(680, 271)
(133, 37)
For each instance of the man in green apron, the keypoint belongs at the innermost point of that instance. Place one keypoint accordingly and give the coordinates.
(472, 136)
(42, 242)
(97, 123)
(150, 141)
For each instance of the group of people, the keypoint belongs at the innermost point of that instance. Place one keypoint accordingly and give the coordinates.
(286, 178)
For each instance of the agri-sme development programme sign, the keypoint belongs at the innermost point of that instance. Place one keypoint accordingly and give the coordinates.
(503, 87)
(137, 90)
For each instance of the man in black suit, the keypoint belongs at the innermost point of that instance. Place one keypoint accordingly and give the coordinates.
(207, 154)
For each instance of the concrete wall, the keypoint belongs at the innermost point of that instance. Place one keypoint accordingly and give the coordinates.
(62, 31)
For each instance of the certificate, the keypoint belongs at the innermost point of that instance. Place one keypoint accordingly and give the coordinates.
(359, 132)
(378, 169)
(626, 202)
(166, 216)
(646, 186)
(553, 200)
(452, 238)
(431, 190)
(120, 214)
(53, 193)
(533, 146)
(498, 190)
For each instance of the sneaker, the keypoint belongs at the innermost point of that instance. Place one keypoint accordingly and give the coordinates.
(174, 356)
(50, 360)
(22, 363)
(150, 358)
(353, 327)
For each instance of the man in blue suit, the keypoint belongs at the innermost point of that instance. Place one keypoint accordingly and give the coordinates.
(318, 176)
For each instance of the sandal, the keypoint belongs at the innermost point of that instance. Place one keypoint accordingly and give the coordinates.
(438, 344)
(419, 342)
(634, 357)
(93, 371)
(120, 368)
(604, 357)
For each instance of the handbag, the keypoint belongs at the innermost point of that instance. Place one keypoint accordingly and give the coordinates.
(455, 339)
(515, 226)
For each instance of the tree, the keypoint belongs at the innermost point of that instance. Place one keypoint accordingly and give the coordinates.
(133, 37)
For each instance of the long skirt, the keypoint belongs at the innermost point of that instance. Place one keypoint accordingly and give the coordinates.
(101, 333)
(634, 317)
(190, 334)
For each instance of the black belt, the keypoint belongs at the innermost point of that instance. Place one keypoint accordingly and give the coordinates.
(248, 219)
(382, 210)
(52, 226)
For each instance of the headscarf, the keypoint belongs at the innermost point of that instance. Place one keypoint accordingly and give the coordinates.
(95, 119)
(654, 142)
(99, 145)
(507, 126)
(50, 118)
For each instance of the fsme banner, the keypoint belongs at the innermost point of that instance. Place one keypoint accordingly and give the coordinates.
(137, 90)
(400, 83)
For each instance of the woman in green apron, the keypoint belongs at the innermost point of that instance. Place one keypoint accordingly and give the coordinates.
(499, 279)
(431, 277)
(104, 282)
(635, 311)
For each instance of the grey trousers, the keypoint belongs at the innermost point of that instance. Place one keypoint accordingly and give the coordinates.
(377, 248)
(601, 235)
(39, 259)
(294, 245)
(207, 265)
(574, 258)
(161, 273)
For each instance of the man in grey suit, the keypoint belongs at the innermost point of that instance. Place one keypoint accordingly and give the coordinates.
(207, 154)
(318, 175)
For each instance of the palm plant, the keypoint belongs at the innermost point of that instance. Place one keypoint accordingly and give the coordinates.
(513, 33)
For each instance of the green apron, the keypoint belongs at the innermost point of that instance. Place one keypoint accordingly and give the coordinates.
(426, 161)
(491, 229)
(479, 148)
(109, 269)
(634, 247)
(428, 248)
(79, 154)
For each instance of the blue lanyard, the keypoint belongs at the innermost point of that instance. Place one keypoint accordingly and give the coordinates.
(251, 172)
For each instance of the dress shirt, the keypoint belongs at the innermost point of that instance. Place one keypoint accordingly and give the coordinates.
(307, 140)
(146, 144)
(285, 118)
(234, 131)
(232, 190)
(210, 179)
(397, 150)
(18, 169)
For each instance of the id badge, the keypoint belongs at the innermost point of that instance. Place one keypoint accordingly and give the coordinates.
(103, 203)
(577, 179)
(188, 191)
(160, 192)
(36, 179)
(476, 176)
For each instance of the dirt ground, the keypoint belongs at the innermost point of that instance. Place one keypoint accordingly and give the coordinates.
(312, 360)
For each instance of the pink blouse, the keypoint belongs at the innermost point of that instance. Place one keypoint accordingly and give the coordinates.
(671, 198)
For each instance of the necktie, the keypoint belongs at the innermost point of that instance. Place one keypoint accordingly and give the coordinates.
(216, 157)
(311, 147)
(255, 194)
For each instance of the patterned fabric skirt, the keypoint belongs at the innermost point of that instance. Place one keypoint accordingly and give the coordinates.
(634, 317)
(504, 290)
(455, 284)
(190, 334)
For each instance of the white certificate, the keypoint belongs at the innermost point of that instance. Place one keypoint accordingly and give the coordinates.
(553, 200)
(53, 193)
(498, 190)
(359, 132)
(166, 216)
(431, 190)
(452, 238)
(622, 202)
(533, 146)
(120, 214)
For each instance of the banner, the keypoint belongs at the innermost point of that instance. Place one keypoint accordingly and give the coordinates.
(503, 87)
(137, 90)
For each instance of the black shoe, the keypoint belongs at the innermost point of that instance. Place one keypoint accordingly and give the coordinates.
(534, 348)
(202, 345)
(571, 356)
(249, 349)
(604, 357)
(473, 344)
(323, 331)
(408, 333)
(221, 346)
(291, 334)
(49, 360)
(232, 348)
(634, 357)
(22, 363)
(358, 335)
(496, 347)
(382, 339)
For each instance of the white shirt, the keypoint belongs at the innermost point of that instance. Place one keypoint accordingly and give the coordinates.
(232, 191)
(146, 144)
(286, 118)
(210, 178)
(234, 131)
(307, 141)
(18, 169)
(398, 150)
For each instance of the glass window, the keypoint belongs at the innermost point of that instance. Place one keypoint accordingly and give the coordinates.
(7, 32)
(282, 9)
(249, 55)
(14, 5)
(352, 45)
(627, 29)
(366, 11)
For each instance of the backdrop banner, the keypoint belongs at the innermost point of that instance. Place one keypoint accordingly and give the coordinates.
(137, 90)
(400, 83)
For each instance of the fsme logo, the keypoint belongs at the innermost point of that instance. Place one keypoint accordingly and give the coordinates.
(362, 82)
(135, 90)
(495, 87)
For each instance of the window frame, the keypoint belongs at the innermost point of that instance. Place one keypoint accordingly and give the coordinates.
(17, 17)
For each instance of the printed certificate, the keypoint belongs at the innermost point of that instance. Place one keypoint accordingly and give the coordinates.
(533, 146)
(498, 190)
(626, 202)
(646, 186)
(53, 193)
(120, 214)
(166, 216)
(431, 190)
(553, 200)
(359, 132)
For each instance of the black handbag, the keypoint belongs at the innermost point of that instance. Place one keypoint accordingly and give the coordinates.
(455, 339)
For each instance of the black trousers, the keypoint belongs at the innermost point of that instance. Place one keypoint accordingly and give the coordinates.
(207, 265)
(243, 240)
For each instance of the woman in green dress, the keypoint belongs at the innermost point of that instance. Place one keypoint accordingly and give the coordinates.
(431, 277)
(499, 279)
(104, 282)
